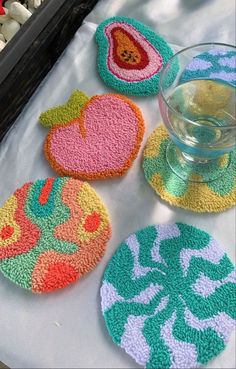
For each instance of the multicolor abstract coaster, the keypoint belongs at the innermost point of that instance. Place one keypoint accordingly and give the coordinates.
(212, 65)
(93, 138)
(52, 232)
(168, 297)
(131, 56)
(213, 196)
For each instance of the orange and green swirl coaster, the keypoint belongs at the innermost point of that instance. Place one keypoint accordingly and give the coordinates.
(52, 232)
(93, 138)
(212, 196)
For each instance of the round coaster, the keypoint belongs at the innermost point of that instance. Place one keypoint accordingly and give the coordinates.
(215, 64)
(168, 297)
(52, 232)
(93, 138)
(131, 56)
(213, 196)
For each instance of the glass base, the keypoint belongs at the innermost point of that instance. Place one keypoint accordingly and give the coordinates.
(190, 168)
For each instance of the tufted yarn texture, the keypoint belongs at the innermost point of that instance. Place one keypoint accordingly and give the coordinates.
(168, 297)
(213, 196)
(93, 138)
(65, 113)
(131, 56)
(52, 232)
(212, 65)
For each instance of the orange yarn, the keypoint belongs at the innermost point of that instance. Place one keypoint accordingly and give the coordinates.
(52, 232)
(43, 198)
(81, 121)
(92, 222)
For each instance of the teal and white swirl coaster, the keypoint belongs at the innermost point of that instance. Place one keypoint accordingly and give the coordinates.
(215, 64)
(131, 56)
(168, 297)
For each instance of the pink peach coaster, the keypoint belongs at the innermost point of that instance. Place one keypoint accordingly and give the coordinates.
(102, 140)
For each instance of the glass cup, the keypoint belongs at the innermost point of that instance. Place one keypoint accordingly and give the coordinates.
(199, 114)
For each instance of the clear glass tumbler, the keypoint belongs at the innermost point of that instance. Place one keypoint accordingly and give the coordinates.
(199, 115)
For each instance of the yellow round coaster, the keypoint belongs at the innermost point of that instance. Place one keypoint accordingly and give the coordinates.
(214, 196)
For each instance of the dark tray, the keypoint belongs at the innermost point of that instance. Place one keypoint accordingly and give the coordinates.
(32, 52)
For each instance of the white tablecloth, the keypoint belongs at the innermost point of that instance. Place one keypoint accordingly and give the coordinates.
(66, 329)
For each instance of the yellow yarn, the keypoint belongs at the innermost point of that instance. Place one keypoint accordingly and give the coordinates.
(89, 202)
(7, 213)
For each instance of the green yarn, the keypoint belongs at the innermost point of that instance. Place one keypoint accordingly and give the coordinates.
(60, 213)
(157, 306)
(177, 187)
(158, 165)
(20, 268)
(219, 65)
(47, 217)
(226, 184)
(33, 208)
(147, 86)
(52, 232)
(147, 237)
(207, 196)
(65, 113)
(123, 260)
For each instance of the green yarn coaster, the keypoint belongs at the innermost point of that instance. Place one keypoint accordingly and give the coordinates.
(131, 56)
(52, 232)
(213, 196)
(216, 64)
(168, 297)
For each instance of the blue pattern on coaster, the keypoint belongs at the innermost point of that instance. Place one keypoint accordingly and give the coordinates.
(215, 65)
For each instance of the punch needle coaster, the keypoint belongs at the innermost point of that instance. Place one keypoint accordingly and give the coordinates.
(93, 138)
(168, 297)
(213, 196)
(131, 56)
(52, 232)
(215, 64)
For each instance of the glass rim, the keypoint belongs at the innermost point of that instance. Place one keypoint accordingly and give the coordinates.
(162, 74)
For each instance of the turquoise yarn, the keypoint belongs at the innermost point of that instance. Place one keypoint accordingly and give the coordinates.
(147, 86)
(168, 297)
